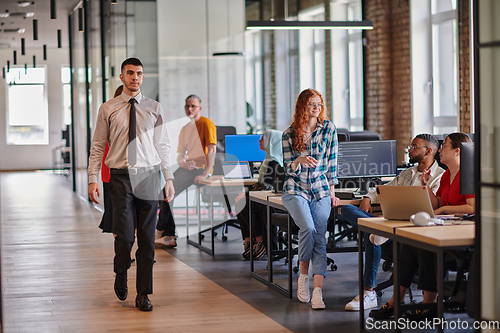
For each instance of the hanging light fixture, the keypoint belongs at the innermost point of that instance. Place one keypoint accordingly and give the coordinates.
(26, 69)
(23, 48)
(296, 25)
(15, 57)
(34, 61)
(44, 51)
(3, 72)
(35, 29)
(8, 66)
(273, 24)
(114, 2)
(53, 11)
(80, 19)
(59, 38)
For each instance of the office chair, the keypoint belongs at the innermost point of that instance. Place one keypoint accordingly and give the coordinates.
(364, 136)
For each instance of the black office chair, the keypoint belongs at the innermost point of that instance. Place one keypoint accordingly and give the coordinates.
(364, 136)
(222, 131)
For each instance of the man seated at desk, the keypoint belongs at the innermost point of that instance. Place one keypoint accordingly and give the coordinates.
(196, 156)
(447, 200)
(422, 150)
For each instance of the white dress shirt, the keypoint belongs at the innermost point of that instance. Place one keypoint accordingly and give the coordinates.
(112, 124)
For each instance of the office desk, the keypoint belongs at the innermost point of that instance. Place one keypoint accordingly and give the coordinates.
(272, 200)
(212, 184)
(436, 239)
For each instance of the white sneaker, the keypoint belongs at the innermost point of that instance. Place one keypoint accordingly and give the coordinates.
(303, 293)
(158, 234)
(369, 299)
(377, 240)
(166, 242)
(317, 299)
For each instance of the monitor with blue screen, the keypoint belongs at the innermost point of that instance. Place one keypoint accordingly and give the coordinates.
(244, 147)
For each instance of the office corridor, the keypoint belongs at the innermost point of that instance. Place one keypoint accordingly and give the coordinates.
(57, 273)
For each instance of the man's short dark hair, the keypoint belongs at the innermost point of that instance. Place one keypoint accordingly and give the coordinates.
(193, 96)
(131, 61)
(430, 139)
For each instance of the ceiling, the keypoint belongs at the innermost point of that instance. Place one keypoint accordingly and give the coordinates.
(47, 28)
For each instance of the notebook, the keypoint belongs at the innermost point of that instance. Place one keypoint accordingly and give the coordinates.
(400, 202)
(236, 170)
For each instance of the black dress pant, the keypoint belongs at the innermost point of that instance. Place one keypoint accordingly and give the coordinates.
(183, 178)
(413, 260)
(130, 211)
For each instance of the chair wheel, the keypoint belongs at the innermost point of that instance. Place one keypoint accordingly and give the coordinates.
(380, 293)
(224, 238)
(295, 269)
(202, 236)
(286, 261)
(333, 267)
(386, 266)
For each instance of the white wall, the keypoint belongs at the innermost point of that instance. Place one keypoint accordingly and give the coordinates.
(186, 64)
(39, 156)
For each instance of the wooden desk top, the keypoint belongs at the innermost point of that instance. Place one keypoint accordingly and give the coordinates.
(448, 235)
(261, 196)
(216, 180)
(382, 224)
(277, 201)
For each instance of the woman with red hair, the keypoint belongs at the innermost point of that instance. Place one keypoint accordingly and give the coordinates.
(310, 162)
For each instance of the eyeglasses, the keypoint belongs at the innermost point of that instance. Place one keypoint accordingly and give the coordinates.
(312, 105)
(443, 146)
(413, 147)
(191, 106)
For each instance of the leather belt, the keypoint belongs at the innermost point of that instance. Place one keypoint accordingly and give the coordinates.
(131, 171)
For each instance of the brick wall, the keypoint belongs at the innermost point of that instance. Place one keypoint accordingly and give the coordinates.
(388, 71)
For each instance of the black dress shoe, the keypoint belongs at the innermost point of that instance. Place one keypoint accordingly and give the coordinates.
(417, 315)
(121, 289)
(385, 312)
(142, 302)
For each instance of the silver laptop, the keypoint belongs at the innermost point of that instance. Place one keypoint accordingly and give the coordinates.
(400, 202)
(236, 170)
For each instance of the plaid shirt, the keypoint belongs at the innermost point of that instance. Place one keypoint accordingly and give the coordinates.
(412, 177)
(312, 183)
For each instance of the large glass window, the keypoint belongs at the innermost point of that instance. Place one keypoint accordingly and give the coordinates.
(444, 66)
(347, 67)
(66, 81)
(312, 52)
(27, 118)
(253, 81)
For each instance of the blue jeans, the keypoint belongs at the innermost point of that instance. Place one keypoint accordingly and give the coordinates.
(312, 219)
(373, 252)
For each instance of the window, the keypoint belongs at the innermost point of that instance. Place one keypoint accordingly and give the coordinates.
(347, 67)
(66, 81)
(434, 40)
(27, 118)
(444, 66)
(253, 78)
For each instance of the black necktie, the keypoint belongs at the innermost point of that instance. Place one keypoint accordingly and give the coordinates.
(132, 131)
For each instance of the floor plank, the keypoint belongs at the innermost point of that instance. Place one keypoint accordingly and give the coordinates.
(57, 273)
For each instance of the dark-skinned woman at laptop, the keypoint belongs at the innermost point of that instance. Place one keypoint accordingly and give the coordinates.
(447, 200)
(270, 142)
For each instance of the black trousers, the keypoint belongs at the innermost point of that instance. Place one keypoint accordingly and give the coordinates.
(130, 211)
(183, 178)
(259, 222)
(413, 260)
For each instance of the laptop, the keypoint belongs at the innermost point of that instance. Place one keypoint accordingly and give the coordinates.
(236, 170)
(400, 202)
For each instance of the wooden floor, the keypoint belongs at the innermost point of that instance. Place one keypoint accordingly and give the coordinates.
(57, 273)
(57, 276)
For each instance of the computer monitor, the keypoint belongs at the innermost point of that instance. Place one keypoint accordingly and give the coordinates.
(360, 163)
(362, 159)
(244, 147)
(467, 168)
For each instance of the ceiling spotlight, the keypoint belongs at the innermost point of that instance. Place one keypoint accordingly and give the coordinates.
(23, 3)
(29, 14)
(4, 15)
(114, 2)
(21, 31)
